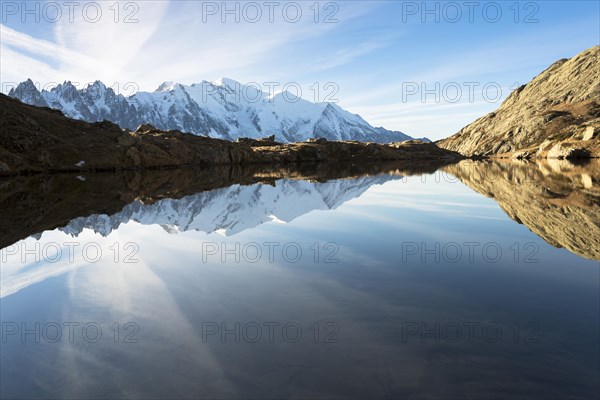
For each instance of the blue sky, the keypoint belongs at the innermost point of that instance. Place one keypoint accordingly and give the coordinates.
(419, 67)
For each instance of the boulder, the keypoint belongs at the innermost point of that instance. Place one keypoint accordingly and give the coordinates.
(145, 128)
(317, 140)
(266, 141)
(591, 132)
(133, 157)
(565, 151)
(522, 155)
(546, 144)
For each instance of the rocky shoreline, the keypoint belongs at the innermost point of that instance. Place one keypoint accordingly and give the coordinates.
(42, 140)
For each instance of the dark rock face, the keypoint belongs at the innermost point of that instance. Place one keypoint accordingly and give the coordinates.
(559, 106)
(266, 141)
(39, 140)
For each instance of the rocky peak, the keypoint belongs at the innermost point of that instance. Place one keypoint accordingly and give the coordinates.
(97, 86)
(165, 86)
(66, 90)
(29, 93)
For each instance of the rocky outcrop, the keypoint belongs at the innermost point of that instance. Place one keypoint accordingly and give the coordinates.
(266, 141)
(36, 139)
(560, 107)
(565, 151)
(322, 150)
(556, 199)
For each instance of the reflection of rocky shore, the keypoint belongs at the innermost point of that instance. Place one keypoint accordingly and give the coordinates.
(556, 200)
(33, 204)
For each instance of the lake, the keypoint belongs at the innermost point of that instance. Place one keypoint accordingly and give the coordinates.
(476, 280)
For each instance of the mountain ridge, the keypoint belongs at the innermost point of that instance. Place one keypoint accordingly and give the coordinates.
(224, 109)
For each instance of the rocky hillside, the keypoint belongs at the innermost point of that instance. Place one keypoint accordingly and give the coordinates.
(556, 115)
(35, 139)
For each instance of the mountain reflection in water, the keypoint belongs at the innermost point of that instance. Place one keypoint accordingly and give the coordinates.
(555, 199)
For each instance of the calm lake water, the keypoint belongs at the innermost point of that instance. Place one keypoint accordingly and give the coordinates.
(478, 280)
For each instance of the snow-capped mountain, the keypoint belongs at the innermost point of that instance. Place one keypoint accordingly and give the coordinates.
(233, 209)
(28, 93)
(223, 109)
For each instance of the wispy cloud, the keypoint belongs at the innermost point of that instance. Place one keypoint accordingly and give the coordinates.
(172, 41)
(16, 46)
(346, 55)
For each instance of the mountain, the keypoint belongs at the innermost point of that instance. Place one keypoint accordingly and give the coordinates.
(95, 103)
(556, 115)
(29, 94)
(224, 109)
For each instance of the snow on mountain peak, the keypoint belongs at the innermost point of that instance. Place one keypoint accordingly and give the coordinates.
(65, 87)
(227, 82)
(98, 85)
(166, 86)
(224, 109)
(28, 84)
(285, 95)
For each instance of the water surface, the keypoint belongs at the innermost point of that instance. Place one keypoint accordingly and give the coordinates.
(478, 280)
